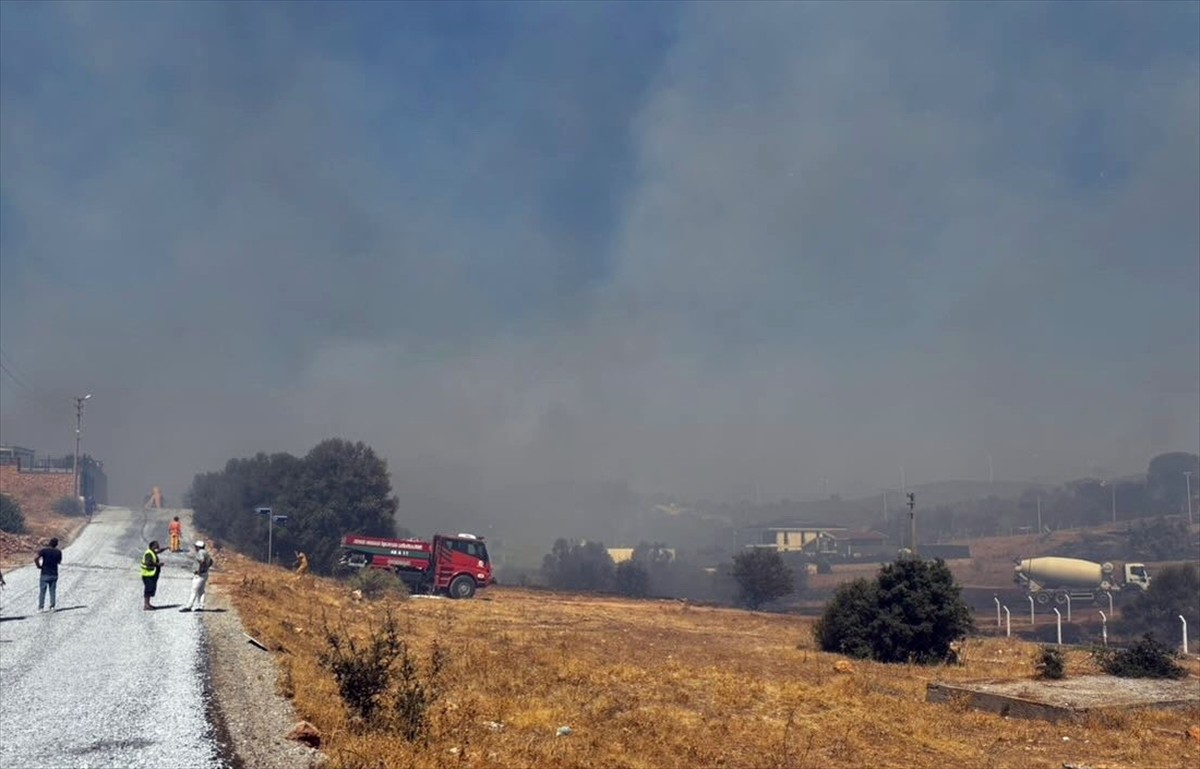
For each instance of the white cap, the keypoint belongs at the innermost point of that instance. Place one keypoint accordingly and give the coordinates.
(200, 544)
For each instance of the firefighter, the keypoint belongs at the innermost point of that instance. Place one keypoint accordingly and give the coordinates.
(176, 530)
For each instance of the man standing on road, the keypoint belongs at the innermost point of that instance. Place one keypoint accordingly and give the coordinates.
(201, 565)
(151, 566)
(47, 560)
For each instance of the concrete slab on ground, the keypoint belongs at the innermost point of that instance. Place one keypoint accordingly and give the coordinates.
(1069, 698)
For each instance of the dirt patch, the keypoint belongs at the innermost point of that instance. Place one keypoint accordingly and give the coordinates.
(19, 549)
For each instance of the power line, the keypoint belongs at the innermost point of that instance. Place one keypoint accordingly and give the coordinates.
(15, 378)
(9, 369)
(39, 400)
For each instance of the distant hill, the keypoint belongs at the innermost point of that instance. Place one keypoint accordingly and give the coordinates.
(868, 511)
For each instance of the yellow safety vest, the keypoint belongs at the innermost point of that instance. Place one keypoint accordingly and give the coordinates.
(149, 563)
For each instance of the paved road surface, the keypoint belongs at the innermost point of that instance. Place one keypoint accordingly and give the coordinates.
(100, 682)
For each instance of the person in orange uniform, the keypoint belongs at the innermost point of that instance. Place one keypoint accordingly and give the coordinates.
(176, 530)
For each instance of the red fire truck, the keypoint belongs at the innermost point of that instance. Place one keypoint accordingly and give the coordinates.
(452, 564)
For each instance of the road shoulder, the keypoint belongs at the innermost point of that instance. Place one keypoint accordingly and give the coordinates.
(253, 715)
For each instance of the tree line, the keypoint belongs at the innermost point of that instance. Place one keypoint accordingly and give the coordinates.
(752, 578)
(338, 487)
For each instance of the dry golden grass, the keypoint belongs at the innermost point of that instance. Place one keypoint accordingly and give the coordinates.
(663, 684)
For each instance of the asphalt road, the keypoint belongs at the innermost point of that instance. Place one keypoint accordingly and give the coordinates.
(100, 682)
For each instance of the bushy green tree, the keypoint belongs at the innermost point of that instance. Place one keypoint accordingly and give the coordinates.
(341, 488)
(578, 566)
(761, 576)
(12, 519)
(912, 611)
(338, 488)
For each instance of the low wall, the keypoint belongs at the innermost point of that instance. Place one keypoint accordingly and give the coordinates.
(36, 493)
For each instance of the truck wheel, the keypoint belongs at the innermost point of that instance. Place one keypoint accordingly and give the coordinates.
(462, 587)
(1043, 598)
(1060, 598)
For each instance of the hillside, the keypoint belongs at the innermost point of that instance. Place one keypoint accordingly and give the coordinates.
(661, 684)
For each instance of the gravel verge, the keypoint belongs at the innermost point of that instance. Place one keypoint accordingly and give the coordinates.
(253, 718)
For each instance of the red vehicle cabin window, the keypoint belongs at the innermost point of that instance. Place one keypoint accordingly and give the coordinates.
(473, 549)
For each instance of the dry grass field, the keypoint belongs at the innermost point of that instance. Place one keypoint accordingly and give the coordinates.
(664, 684)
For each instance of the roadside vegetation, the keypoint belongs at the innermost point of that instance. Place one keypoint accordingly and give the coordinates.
(68, 507)
(490, 682)
(12, 519)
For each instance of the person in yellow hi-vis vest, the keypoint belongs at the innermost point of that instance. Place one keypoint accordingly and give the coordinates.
(151, 566)
(301, 564)
(176, 530)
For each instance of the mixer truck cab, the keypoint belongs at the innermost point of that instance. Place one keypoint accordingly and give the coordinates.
(1136, 575)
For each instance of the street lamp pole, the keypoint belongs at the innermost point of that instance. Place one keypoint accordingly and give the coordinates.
(78, 431)
(1114, 499)
(1188, 475)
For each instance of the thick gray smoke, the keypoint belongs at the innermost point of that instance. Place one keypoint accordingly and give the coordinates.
(707, 250)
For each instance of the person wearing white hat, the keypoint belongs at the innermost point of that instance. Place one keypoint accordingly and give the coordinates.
(202, 562)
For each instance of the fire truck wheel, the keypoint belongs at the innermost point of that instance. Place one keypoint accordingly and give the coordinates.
(462, 587)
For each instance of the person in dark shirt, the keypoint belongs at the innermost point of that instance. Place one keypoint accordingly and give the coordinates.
(48, 559)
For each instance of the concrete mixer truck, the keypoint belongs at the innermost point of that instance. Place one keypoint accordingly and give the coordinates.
(1052, 579)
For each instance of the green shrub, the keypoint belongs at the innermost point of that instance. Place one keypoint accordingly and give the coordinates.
(911, 612)
(70, 507)
(1050, 663)
(378, 583)
(363, 672)
(379, 681)
(415, 695)
(844, 626)
(12, 519)
(1145, 659)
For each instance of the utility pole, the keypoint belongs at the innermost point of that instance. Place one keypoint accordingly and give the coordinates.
(1039, 501)
(912, 522)
(1187, 474)
(1114, 499)
(78, 431)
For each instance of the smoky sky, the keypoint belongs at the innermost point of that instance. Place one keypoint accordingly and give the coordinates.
(696, 248)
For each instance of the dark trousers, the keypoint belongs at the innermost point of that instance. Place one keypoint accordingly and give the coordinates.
(151, 584)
